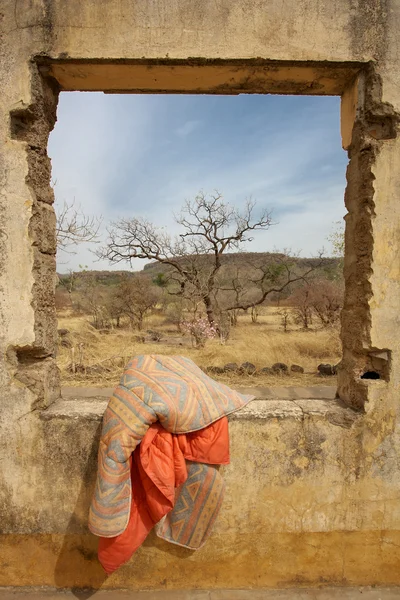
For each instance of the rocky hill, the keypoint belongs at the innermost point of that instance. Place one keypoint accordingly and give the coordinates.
(238, 259)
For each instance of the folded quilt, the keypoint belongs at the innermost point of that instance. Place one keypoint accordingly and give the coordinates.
(170, 390)
(168, 488)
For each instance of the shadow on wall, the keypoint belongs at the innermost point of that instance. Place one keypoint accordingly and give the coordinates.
(77, 566)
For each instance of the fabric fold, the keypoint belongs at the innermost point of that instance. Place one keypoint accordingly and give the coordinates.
(181, 496)
(134, 491)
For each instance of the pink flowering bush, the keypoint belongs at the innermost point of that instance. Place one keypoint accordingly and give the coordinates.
(200, 330)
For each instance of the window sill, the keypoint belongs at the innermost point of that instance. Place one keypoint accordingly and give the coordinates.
(270, 403)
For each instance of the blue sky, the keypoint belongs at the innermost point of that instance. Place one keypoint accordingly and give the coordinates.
(141, 155)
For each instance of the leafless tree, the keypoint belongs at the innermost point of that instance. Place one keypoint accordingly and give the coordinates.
(327, 301)
(94, 300)
(73, 227)
(115, 309)
(285, 314)
(68, 283)
(210, 228)
(134, 298)
(319, 298)
(301, 300)
(259, 278)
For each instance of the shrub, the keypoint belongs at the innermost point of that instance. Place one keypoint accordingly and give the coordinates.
(200, 330)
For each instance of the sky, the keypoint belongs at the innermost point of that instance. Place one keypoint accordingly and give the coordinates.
(144, 155)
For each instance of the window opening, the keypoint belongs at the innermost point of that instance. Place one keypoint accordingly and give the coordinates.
(135, 160)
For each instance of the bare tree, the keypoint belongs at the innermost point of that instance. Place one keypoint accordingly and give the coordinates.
(301, 300)
(259, 278)
(285, 315)
(73, 227)
(68, 283)
(327, 301)
(320, 298)
(94, 299)
(210, 228)
(134, 298)
(115, 309)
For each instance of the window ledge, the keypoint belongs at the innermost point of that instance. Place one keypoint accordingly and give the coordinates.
(270, 403)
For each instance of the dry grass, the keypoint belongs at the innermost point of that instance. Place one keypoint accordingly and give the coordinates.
(262, 344)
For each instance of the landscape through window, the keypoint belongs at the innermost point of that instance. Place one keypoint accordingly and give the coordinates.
(234, 203)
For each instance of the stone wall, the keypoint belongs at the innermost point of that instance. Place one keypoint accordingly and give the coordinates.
(308, 500)
(325, 513)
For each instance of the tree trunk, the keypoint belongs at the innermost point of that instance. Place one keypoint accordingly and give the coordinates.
(210, 313)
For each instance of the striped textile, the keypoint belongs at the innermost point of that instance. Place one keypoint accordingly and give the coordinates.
(197, 505)
(168, 389)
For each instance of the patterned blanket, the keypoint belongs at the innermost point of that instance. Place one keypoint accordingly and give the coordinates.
(175, 486)
(168, 389)
(196, 507)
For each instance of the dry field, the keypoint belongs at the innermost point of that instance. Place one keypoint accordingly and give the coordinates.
(104, 354)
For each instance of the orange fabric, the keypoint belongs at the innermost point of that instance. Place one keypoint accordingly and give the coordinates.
(158, 467)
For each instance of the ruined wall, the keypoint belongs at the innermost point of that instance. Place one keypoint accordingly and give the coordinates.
(308, 500)
(349, 47)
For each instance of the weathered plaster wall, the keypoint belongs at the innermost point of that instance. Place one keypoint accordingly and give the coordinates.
(312, 493)
(309, 499)
(306, 30)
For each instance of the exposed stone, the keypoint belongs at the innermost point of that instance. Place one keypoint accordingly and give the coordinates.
(297, 369)
(43, 292)
(267, 371)
(43, 227)
(231, 367)
(63, 332)
(280, 367)
(41, 377)
(327, 369)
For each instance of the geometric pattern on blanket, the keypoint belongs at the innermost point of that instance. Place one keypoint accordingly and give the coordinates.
(197, 505)
(168, 389)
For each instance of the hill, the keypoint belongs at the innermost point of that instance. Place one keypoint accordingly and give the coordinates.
(237, 259)
(241, 259)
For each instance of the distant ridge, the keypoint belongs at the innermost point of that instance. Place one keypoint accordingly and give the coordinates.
(152, 269)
